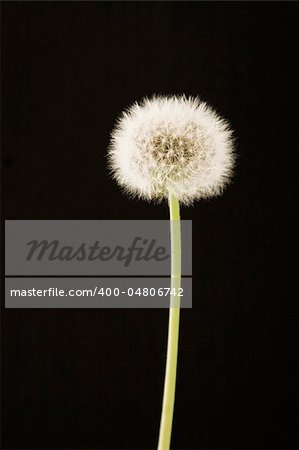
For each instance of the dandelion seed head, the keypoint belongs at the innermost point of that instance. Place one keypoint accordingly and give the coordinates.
(171, 144)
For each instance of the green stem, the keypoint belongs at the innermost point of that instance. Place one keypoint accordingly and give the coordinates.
(173, 328)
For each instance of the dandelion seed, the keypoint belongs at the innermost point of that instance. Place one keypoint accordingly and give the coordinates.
(172, 144)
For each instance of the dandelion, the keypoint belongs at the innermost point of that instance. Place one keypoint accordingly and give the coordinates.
(171, 144)
(174, 148)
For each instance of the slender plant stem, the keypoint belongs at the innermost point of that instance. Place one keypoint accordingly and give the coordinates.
(173, 327)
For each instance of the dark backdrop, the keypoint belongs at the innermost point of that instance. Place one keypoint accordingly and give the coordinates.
(93, 378)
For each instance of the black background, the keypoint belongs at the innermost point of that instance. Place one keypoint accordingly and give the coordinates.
(94, 378)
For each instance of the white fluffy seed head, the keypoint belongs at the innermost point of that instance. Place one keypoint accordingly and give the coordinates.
(171, 144)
